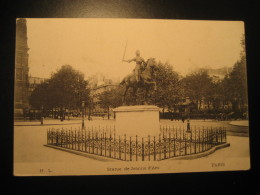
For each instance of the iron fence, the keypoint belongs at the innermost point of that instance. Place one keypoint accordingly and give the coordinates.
(171, 142)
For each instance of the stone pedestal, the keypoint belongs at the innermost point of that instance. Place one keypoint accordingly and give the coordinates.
(141, 120)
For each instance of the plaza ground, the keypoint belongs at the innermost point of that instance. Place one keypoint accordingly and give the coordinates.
(236, 128)
(30, 138)
(31, 157)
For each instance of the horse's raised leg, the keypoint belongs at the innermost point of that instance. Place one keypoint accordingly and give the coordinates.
(124, 96)
(145, 94)
(134, 94)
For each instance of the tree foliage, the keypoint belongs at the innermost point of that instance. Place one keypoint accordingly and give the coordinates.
(111, 98)
(169, 91)
(235, 83)
(65, 88)
(199, 86)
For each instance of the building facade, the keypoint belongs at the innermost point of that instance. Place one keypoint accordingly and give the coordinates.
(34, 82)
(21, 68)
(218, 74)
(99, 84)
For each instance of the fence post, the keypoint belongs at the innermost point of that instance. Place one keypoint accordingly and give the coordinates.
(114, 143)
(70, 130)
(190, 141)
(119, 149)
(225, 135)
(199, 141)
(60, 137)
(148, 147)
(56, 138)
(51, 133)
(185, 143)
(47, 136)
(69, 139)
(92, 141)
(93, 138)
(221, 134)
(207, 138)
(225, 138)
(169, 148)
(210, 137)
(82, 140)
(195, 141)
(202, 140)
(101, 142)
(154, 148)
(211, 134)
(174, 143)
(130, 145)
(105, 143)
(164, 146)
(72, 139)
(217, 136)
(50, 136)
(88, 141)
(142, 149)
(136, 143)
(97, 141)
(63, 139)
(125, 146)
(110, 146)
(85, 140)
(160, 150)
(76, 140)
(66, 138)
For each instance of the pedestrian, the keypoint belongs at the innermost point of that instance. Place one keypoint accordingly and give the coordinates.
(183, 118)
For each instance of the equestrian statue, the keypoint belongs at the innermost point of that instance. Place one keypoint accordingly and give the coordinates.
(141, 77)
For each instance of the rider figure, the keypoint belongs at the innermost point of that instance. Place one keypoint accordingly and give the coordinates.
(139, 60)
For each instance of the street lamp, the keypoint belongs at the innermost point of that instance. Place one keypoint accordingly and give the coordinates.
(83, 105)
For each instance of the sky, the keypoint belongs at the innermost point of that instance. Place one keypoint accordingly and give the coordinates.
(97, 45)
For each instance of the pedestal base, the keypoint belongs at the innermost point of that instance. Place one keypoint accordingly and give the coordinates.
(142, 120)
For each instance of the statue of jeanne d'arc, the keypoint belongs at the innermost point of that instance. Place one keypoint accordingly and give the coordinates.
(139, 63)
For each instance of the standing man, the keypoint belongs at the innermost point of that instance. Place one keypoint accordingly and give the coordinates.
(139, 61)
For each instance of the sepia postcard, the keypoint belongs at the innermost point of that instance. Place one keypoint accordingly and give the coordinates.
(129, 96)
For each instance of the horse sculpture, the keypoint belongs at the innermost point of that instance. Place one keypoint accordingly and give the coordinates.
(146, 80)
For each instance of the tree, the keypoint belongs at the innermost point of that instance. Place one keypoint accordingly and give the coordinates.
(235, 82)
(66, 88)
(110, 99)
(169, 92)
(41, 96)
(199, 86)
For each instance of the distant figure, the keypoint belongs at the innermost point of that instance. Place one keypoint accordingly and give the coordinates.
(183, 118)
(139, 63)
